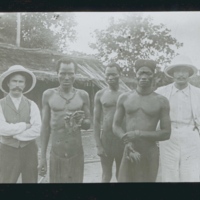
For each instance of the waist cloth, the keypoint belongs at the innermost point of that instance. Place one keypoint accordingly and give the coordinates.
(112, 145)
(144, 171)
(66, 169)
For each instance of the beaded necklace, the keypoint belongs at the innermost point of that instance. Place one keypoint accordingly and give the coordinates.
(67, 100)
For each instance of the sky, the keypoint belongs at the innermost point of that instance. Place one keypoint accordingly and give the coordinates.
(184, 26)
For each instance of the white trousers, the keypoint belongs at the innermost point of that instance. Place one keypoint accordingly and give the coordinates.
(180, 156)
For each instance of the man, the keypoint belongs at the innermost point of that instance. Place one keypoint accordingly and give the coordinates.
(65, 111)
(109, 147)
(142, 109)
(180, 154)
(20, 125)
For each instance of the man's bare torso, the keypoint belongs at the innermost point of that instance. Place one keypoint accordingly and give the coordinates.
(108, 101)
(142, 113)
(65, 142)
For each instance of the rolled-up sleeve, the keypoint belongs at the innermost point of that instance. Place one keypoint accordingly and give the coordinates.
(35, 121)
(10, 129)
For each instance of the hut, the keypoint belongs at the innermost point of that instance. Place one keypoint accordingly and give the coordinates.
(90, 72)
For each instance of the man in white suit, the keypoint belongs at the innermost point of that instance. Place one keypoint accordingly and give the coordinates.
(180, 155)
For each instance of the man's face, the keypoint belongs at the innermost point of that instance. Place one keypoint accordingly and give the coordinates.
(66, 74)
(144, 77)
(181, 75)
(112, 76)
(16, 84)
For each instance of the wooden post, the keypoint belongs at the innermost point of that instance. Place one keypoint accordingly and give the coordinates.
(18, 29)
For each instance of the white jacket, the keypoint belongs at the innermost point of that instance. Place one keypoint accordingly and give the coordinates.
(194, 95)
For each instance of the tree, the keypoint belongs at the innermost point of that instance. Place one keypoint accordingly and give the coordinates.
(40, 30)
(8, 28)
(133, 37)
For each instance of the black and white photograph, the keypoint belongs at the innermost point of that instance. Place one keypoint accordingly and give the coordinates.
(99, 97)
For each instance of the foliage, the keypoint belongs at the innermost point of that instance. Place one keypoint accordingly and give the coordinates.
(39, 30)
(133, 37)
(8, 26)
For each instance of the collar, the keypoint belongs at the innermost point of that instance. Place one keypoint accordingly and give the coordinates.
(14, 99)
(175, 90)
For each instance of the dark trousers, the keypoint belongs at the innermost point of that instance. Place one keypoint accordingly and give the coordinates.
(16, 161)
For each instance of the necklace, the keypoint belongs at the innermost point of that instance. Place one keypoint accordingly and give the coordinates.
(67, 100)
(144, 94)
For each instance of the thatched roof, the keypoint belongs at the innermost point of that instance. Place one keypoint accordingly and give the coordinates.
(42, 63)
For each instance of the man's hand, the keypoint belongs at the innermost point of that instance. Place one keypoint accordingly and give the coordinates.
(101, 152)
(42, 168)
(78, 117)
(130, 136)
(131, 154)
(68, 119)
(74, 119)
(134, 157)
(28, 126)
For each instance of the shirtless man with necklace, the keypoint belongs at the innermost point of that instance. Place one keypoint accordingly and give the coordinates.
(65, 111)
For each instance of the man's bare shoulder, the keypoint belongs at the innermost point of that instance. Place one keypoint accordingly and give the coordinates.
(125, 95)
(163, 100)
(100, 92)
(82, 93)
(49, 92)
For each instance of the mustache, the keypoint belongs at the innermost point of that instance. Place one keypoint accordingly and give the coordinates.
(16, 88)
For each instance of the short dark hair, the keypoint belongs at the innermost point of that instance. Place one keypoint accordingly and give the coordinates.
(65, 60)
(114, 65)
(145, 63)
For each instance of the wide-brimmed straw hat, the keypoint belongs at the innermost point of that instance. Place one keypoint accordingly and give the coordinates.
(30, 78)
(180, 61)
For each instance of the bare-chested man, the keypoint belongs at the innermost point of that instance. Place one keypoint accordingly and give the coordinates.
(109, 147)
(142, 109)
(65, 111)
